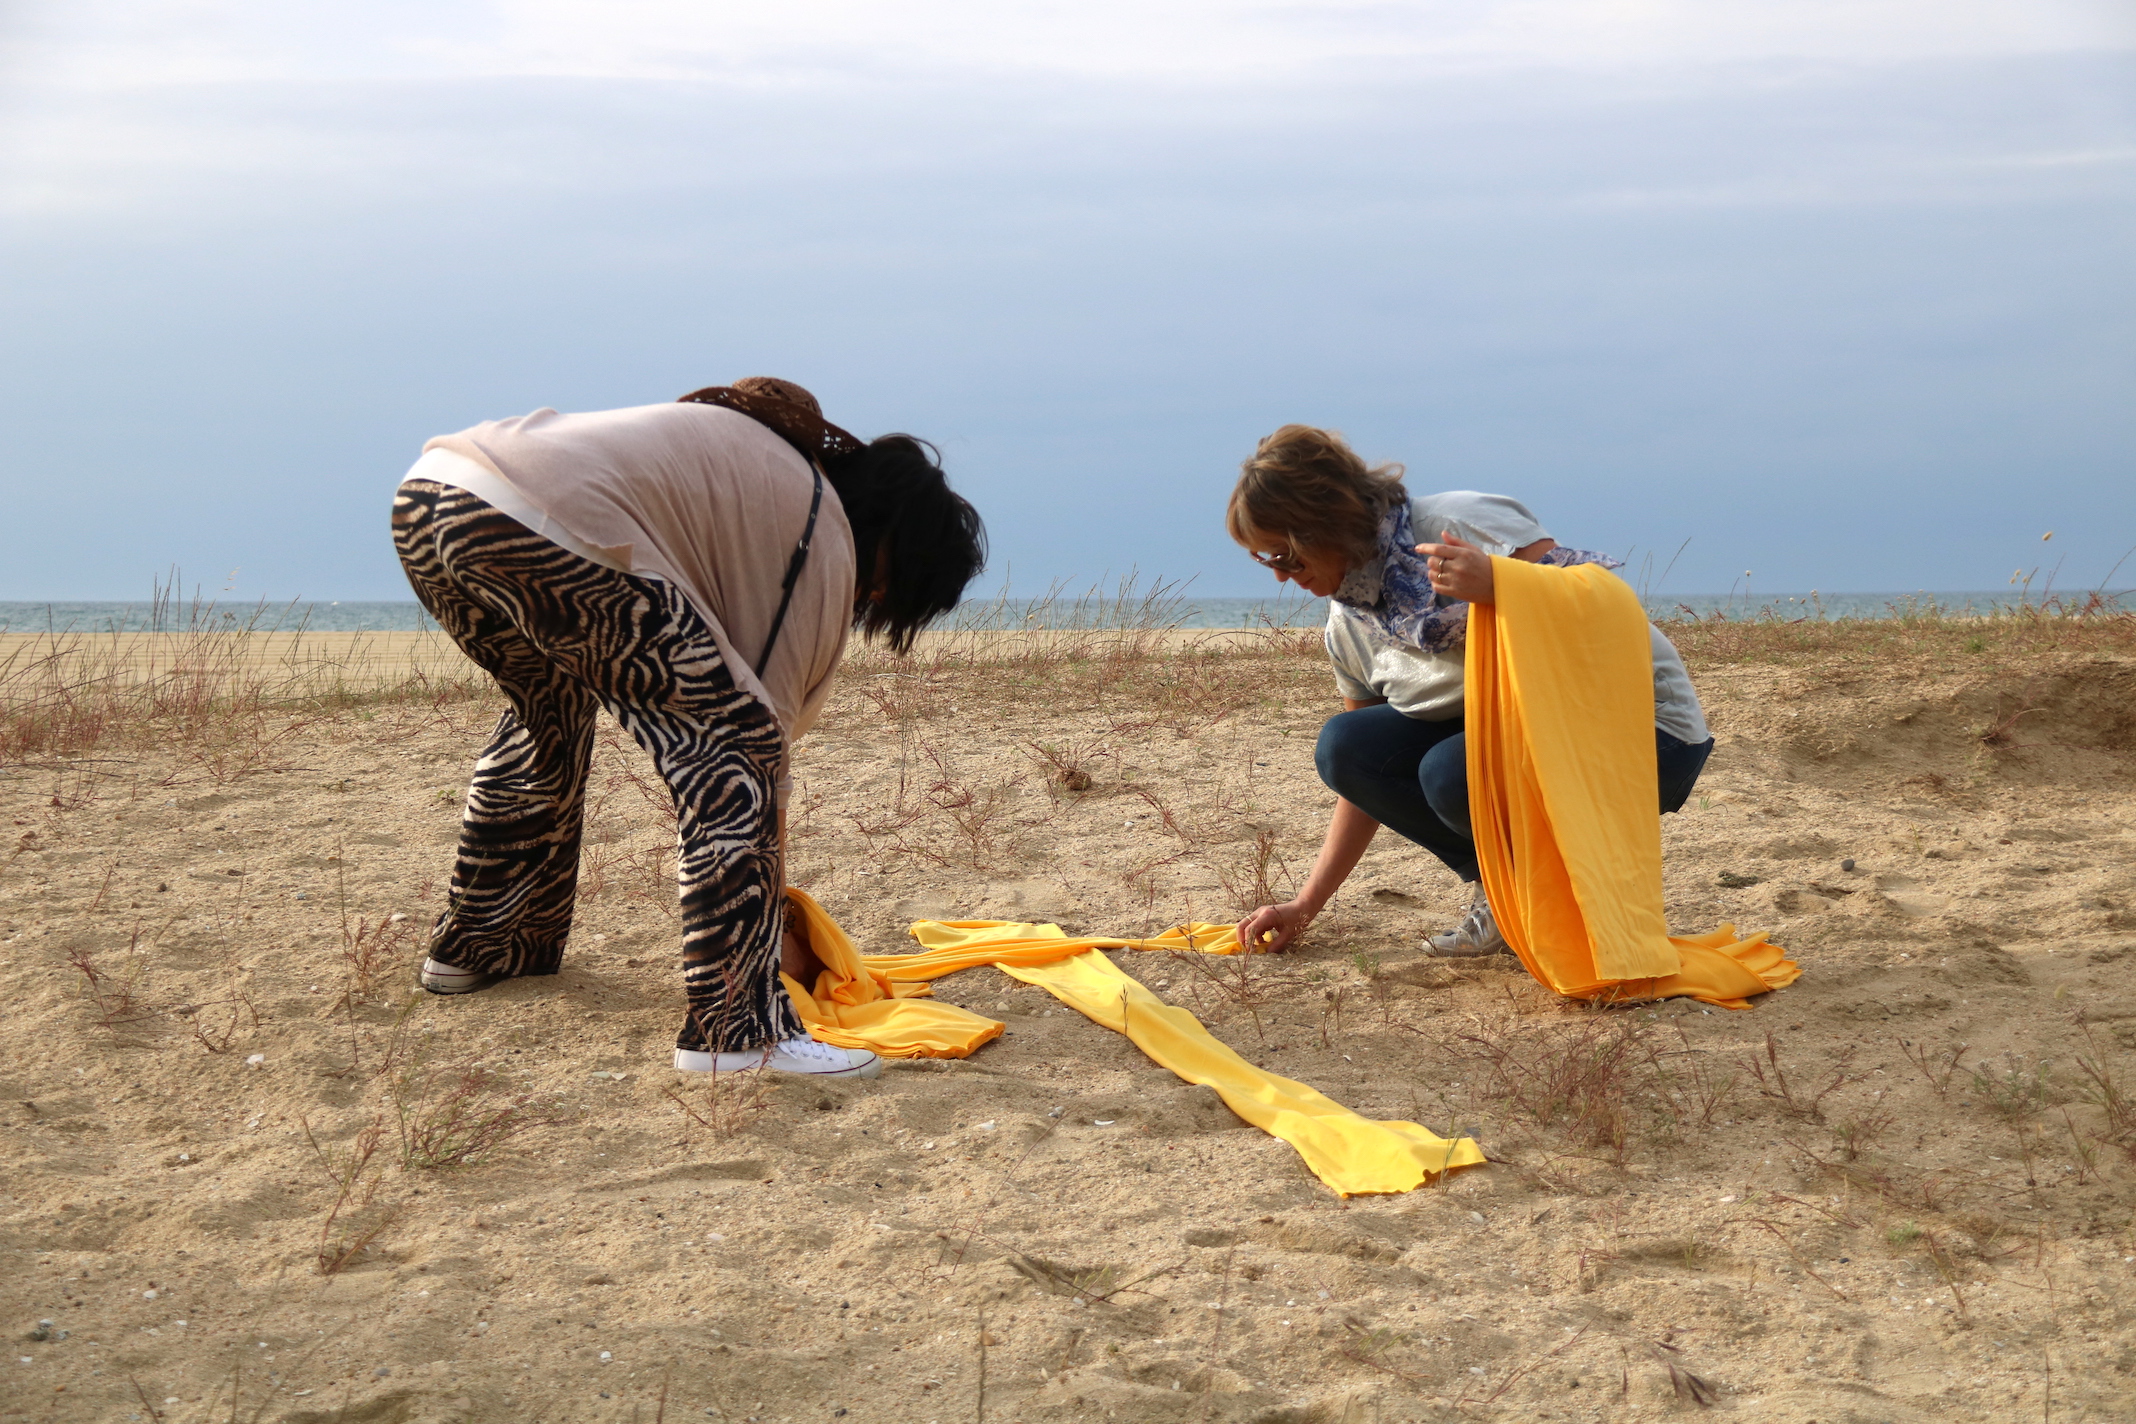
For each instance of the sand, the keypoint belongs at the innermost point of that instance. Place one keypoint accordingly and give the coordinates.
(1777, 1214)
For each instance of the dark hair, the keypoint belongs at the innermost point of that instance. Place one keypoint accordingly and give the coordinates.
(903, 511)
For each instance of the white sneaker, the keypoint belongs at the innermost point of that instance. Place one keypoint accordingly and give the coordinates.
(795, 1055)
(444, 979)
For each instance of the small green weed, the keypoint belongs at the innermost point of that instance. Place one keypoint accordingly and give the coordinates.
(2016, 1086)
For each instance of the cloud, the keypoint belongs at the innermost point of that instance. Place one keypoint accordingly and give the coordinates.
(1693, 280)
(117, 43)
(1745, 134)
(119, 107)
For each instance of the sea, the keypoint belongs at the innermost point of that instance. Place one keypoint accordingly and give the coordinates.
(406, 615)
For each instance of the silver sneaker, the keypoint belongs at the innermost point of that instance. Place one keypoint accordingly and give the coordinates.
(1476, 935)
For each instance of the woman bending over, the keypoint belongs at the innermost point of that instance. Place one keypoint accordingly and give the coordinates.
(693, 569)
(1307, 508)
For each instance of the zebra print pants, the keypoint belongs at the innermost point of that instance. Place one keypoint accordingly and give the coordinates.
(565, 637)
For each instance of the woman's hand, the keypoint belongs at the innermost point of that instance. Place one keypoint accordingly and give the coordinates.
(1282, 923)
(1459, 570)
(797, 958)
(1350, 831)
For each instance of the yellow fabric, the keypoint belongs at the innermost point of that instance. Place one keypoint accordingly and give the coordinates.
(874, 1001)
(863, 1001)
(1564, 802)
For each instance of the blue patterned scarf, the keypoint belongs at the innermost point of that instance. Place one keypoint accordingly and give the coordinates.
(1392, 594)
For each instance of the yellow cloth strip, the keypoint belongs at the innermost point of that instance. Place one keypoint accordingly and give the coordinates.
(1562, 794)
(874, 1001)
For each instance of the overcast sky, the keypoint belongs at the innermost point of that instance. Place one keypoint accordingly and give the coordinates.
(1840, 291)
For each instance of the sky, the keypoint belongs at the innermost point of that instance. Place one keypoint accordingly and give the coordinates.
(1838, 293)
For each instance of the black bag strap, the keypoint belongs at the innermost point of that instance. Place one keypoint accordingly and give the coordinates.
(793, 573)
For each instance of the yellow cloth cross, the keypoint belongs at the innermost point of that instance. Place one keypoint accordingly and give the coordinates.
(878, 1002)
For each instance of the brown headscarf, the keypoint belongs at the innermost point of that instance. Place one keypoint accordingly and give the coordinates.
(788, 411)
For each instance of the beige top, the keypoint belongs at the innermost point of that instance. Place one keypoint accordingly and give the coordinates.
(698, 495)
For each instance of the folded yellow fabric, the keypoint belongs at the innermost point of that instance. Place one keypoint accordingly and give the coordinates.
(873, 1001)
(1564, 802)
(870, 1001)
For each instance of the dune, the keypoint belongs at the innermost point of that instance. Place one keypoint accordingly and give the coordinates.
(253, 1175)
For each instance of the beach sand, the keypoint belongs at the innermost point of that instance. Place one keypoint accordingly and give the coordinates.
(1795, 1213)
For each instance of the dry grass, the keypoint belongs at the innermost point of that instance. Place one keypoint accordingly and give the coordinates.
(1124, 650)
(218, 1032)
(453, 1117)
(1803, 1095)
(1599, 1078)
(370, 948)
(1918, 630)
(1219, 986)
(1856, 1134)
(1577, 1080)
(236, 691)
(232, 691)
(1264, 877)
(725, 1106)
(349, 1225)
(112, 995)
(2099, 1085)
(1938, 1066)
(941, 816)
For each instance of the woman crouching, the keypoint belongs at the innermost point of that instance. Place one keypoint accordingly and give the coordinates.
(694, 569)
(1399, 573)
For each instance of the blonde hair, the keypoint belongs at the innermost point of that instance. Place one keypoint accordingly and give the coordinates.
(1307, 485)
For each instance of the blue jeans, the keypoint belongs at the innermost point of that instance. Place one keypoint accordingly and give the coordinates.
(1411, 776)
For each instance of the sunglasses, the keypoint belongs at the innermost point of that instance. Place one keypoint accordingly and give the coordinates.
(1286, 562)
